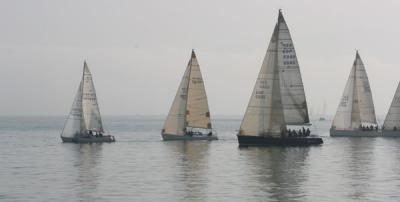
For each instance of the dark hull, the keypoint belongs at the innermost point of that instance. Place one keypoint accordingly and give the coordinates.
(275, 141)
(93, 139)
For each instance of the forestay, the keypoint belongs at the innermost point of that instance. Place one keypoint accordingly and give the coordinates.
(392, 119)
(74, 121)
(356, 106)
(292, 89)
(264, 114)
(91, 112)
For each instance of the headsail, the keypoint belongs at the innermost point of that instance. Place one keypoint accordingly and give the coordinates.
(74, 122)
(292, 89)
(176, 119)
(91, 112)
(393, 117)
(356, 106)
(264, 114)
(197, 111)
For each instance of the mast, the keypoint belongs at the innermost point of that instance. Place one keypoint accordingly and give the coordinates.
(187, 89)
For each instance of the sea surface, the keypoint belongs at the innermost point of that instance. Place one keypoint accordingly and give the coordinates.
(36, 166)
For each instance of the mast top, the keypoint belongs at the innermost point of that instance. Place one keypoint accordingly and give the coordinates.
(193, 54)
(280, 16)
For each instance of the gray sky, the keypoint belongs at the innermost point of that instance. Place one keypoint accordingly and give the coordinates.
(138, 50)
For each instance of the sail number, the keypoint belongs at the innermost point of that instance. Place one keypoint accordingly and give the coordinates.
(344, 101)
(289, 56)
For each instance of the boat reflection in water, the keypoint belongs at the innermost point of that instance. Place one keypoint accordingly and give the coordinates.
(88, 163)
(277, 173)
(191, 164)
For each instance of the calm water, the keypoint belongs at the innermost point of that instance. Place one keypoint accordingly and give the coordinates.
(36, 166)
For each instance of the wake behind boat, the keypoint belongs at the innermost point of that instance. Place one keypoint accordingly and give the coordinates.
(355, 116)
(84, 124)
(189, 116)
(278, 98)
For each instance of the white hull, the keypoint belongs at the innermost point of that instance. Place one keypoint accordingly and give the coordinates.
(354, 133)
(187, 137)
(390, 133)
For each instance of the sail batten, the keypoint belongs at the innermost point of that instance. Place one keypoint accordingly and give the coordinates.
(356, 107)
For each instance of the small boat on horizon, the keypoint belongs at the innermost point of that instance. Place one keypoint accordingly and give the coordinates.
(84, 124)
(355, 116)
(189, 115)
(322, 116)
(278, 99)
(391, 125)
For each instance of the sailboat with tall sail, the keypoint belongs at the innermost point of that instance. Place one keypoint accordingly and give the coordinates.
(391, 125)
(355, 116)
(189, 115)
(83, 124)
(278, 99)
(323, 113)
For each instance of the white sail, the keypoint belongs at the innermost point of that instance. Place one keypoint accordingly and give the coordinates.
(198, 113)
(356, 106)
(365, 102)
(91, 112)
(292, 89)
(176, 119)
(264, 114)
(73, 123)
(393, 116)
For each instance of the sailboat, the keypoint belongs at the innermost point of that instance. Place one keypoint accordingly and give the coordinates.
(83, 124)
(322, 115)
(391, 125)
(278, 98)
(355, 116)
(189, 115)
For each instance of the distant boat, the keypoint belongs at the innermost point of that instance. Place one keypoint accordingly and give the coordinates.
(189, 116)
(355, 116)
(84, 124)
(323, 113)
(391, 125)
(278, 98)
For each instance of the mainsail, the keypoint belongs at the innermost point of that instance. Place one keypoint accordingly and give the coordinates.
(278, 96)
(393, 117)
(190, 106)
(356, 106)
(74, 121)
(91, 112)
(292, 89)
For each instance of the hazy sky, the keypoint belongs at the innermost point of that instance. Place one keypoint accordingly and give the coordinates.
(138, 50)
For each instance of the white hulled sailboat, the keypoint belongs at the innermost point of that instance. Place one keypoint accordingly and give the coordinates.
(391, 125)
(189, 116)
(84, 124)
(355, 116)
(278, 98)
